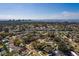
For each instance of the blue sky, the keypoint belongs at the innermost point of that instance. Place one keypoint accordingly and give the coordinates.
(39, 11)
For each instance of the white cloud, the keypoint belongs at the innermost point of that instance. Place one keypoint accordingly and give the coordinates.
(62, 15)
(65, 12)
(66, 15)
(11, 17)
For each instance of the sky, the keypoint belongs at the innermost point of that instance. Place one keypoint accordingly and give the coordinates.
(39, 11)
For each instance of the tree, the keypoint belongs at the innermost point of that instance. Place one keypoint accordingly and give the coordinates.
(17, 42)
(6, 29)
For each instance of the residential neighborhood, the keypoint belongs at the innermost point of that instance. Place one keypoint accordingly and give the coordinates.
(39, 39)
